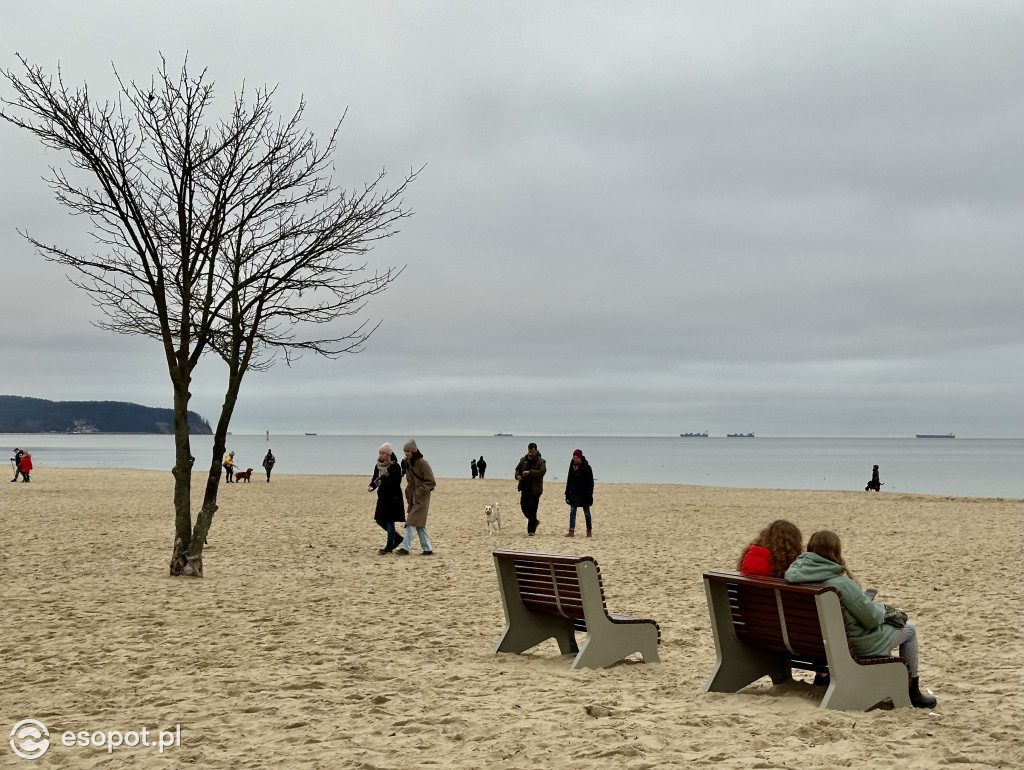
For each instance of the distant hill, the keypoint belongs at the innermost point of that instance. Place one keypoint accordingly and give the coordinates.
(36, 415)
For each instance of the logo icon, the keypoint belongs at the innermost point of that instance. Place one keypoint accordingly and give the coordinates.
(30, 739)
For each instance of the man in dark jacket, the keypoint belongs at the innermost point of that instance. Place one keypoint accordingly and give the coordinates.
(17, 463)
(530, 475)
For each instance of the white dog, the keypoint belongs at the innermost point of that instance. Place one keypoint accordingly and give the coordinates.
(493, 518)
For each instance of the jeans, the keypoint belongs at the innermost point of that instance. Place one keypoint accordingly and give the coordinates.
(424, 538)
(393, 537)
(572, 516)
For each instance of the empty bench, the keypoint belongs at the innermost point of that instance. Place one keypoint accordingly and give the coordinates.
(767, 627)
(551, 596)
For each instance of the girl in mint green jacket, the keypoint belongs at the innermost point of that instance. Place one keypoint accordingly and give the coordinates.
(870, 636)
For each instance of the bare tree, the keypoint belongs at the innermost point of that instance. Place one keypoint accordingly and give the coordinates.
(223, 236)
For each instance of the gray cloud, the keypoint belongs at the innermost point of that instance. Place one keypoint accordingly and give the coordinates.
(792, 218)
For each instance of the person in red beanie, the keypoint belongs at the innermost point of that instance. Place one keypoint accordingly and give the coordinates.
(579, 491)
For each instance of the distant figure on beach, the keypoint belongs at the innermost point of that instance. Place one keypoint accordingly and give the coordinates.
(481, 466)
(579, 491)
(874, 628)
(530, 475)
(773, 550)
(26, 466)
(387, 480)
(874, 484)
(268, 463)
(472, 467)
(16, 462)
(419, 483)
(229, 467)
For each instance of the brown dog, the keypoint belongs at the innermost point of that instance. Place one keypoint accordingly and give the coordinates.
(244, 476)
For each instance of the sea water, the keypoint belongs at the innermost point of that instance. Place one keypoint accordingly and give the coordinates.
(958, 467)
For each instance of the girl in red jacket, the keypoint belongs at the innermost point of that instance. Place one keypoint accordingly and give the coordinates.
(772, 551)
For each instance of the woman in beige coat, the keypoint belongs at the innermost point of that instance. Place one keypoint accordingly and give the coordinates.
(419, 483)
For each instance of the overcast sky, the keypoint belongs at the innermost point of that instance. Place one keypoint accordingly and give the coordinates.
(790, 218)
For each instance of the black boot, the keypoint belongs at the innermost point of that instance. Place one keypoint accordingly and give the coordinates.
(918, 699)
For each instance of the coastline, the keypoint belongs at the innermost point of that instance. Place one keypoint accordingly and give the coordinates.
(304, 648)
(961, 468)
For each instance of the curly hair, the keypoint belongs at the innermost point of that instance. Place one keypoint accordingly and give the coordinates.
(783, 540)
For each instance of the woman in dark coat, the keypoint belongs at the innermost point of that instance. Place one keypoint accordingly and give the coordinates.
(387, 480)
(579, 491)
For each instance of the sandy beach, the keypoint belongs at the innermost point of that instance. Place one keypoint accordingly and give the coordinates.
(302, 648)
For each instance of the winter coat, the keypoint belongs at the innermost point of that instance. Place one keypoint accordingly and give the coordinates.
(579, 484)
(757, 561)
(389, 493)
(26, 463)
(537, 468)
(419, 483)
(268, 461)
(869, 635)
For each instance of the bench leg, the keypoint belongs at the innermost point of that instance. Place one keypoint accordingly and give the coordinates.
(529, 629)
(737, 664)
(608, 643)
(867, 687)
(854, 687)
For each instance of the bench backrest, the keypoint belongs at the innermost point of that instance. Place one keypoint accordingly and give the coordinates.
(772, 613)
(549, 583)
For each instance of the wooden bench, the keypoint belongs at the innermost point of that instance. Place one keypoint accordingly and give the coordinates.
(550, 596)
(767, 627)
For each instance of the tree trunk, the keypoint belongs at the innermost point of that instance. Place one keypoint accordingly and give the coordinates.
(182, 471)
(193, 563)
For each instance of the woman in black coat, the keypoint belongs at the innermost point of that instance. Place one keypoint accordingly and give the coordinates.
(387, 480)
(579, 491)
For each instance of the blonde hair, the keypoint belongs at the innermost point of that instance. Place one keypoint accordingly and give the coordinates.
(827, 545)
